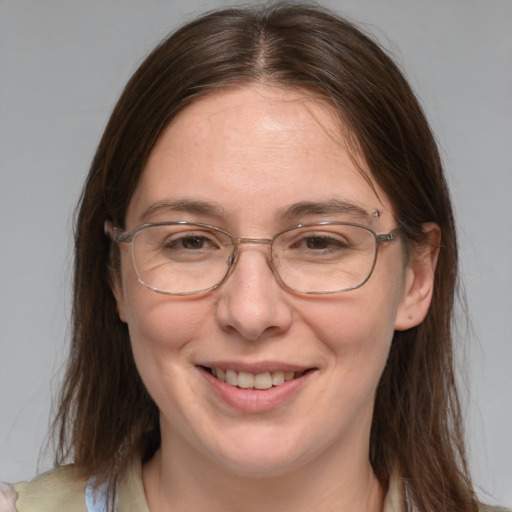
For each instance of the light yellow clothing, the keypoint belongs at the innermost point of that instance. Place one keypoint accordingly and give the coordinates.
(61, 490)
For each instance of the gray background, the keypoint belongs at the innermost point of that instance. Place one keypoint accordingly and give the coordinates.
(62, 66)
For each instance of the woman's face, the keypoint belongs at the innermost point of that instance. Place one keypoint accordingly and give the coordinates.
(255, 161)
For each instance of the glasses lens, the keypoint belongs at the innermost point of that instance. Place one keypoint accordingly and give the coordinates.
(326, 258)
(181, 258)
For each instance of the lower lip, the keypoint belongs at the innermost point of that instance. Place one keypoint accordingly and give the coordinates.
(256, 400)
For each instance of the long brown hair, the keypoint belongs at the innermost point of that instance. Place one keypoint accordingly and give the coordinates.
(105, 414)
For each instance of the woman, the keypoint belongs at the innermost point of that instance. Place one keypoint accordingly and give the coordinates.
(264, 281)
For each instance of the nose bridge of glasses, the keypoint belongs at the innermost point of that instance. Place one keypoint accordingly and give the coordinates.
(237, 242)
(256, 241)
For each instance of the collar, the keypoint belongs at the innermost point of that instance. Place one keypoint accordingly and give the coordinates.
(131, 496)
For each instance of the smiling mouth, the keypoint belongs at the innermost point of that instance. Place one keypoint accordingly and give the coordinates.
(246, 380)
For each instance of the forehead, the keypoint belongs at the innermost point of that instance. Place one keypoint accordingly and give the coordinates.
(255, 148)
(231, 121)
(259, 110)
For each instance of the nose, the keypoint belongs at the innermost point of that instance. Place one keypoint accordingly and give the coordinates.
(251, 302)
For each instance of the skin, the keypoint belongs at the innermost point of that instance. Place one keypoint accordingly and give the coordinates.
(253, 151)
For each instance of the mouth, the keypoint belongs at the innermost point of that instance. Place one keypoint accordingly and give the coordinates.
(247, 380)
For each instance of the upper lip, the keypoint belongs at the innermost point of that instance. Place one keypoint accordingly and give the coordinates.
(257, 367)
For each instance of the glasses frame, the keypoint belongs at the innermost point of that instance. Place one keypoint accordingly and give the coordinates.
(120, 236)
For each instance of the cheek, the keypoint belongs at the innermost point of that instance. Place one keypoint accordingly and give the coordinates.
(163, 323)
(156, 321)
(162, 334)
(357, 328)
(354, 336)
(354, 329)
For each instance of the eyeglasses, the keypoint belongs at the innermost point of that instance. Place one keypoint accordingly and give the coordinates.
(184, 258)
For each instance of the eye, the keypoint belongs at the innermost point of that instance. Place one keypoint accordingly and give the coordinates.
(320, 243)
(190, 242)
(164, 244)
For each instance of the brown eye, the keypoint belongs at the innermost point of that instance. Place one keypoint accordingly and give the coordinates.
(317, 243)
(320, 243)
(192, 242)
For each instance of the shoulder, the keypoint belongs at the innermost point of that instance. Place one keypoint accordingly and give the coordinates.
(489, 508)
(58, 490)
(63, 490)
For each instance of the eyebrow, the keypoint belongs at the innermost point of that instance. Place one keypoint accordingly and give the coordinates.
(290, 213)
(210, 209)
(332, 206)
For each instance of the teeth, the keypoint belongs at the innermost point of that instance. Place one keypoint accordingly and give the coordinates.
(246, 380)
(277, 378)
(231, 378)
(263, 381)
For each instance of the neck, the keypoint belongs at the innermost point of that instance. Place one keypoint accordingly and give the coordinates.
(175, 483)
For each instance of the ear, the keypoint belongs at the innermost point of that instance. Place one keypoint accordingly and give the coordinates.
(115, 278)
(117, 290)
(419, 279)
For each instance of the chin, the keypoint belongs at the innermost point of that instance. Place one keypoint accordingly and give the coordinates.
(260, 460)
(261, 467)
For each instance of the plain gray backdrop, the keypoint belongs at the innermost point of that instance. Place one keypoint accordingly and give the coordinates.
(63, 65)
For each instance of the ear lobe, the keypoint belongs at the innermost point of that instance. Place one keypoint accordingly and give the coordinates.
(117, 291)
(419, 280)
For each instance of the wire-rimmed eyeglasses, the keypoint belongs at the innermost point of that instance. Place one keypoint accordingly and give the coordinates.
(185, 258)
